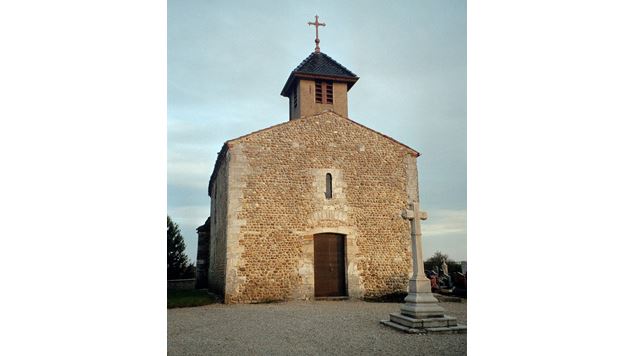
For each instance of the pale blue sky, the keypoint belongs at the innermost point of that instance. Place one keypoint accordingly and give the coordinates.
(228, 61)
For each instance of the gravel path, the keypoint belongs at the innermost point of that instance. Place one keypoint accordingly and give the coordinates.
(303, 328)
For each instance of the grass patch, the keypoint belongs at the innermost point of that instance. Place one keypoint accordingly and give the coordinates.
(268, 301)
(190, 298)
(396, 297)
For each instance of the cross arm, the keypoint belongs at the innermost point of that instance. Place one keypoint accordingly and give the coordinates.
(410, 214)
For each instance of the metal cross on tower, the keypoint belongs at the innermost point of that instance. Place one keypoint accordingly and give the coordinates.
(317, 39)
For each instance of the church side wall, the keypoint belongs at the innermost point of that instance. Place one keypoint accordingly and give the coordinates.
(279, 204)
(218, 232)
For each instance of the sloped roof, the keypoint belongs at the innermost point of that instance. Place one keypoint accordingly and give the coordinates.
(226, 145)
(320, 65)
(204, 227)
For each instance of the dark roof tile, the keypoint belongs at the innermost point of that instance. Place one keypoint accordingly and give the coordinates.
(319, 65)
(205, 226)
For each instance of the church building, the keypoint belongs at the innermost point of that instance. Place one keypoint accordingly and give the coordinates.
(311, 207)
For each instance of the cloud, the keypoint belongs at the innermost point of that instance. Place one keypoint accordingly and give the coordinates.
(445, 222)
(446, 231)
(190, 174)
(190, 215)
(188, 218)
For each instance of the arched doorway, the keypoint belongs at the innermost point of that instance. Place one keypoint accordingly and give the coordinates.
(329, 265)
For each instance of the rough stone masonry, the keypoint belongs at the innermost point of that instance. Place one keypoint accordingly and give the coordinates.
(270, 201)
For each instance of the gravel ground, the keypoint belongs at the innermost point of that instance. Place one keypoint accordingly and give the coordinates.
(303, 328)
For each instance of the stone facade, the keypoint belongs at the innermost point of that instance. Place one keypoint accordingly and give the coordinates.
(268, 201)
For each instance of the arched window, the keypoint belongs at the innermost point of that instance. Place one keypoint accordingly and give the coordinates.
(329, 186)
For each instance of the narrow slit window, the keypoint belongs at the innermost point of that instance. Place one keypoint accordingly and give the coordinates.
(295, 97)
(329, 186)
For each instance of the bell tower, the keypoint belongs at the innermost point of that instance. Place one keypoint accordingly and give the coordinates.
(319, 83)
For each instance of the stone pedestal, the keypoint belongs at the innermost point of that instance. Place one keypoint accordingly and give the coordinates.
(440, 325)
(421, 312)
(420, 303)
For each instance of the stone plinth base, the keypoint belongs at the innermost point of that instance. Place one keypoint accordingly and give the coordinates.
(422, 310)
(440, 325)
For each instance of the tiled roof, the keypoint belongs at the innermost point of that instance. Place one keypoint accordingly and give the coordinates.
(204, 226)
(319, 64)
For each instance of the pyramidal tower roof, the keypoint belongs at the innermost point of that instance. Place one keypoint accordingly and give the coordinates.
(319, 65)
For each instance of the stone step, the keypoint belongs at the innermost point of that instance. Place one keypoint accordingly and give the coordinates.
(332, 298)
(459, 329)
(403, 328)
(445, 321)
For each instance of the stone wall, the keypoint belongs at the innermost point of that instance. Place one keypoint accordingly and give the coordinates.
(277, 203)
(238, 169)
(218, 231)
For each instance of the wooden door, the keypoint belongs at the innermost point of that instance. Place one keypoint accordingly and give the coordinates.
(329, 260)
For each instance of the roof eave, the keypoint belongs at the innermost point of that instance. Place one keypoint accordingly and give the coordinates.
(350, 81)
(219, 159)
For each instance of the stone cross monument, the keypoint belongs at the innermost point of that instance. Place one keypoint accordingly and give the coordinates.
(420, 303)
(421, 312)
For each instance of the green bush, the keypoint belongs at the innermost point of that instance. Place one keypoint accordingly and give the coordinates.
(190, 298)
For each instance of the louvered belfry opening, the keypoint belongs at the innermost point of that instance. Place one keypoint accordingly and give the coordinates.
(318, 91)
(329, 92)
(323, 92)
